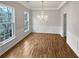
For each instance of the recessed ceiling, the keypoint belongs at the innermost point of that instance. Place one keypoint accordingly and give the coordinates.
(47, 5)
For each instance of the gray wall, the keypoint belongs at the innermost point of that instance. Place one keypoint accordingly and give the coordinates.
(72, 10)
(19, 26)
(51, 26)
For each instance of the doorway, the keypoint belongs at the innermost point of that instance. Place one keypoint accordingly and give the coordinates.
(65, 25)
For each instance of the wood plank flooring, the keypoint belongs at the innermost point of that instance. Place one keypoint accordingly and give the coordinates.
(41, 45)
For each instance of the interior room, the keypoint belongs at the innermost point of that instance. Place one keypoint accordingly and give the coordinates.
(39, 29)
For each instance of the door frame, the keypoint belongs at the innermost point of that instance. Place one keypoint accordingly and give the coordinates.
(65, 25)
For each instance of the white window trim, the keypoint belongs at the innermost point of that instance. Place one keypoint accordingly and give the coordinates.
(13, 30)
(27, 20)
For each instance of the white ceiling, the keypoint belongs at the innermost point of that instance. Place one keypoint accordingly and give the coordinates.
(47, 5)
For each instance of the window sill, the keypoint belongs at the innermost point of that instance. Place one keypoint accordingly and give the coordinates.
(26, 30)
(7, 40)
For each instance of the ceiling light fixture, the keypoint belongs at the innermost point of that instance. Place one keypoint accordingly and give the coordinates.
(43, 18)
(42, 13)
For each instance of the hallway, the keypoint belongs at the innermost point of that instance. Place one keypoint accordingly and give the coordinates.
(41, 45)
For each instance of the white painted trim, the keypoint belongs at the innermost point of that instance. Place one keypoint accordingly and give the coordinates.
(64, 2)
(61, 34)
(27, 20)
(45, 32)
(7, 40)
(72, 41)
(27, 6)
(53, 30)
(13, 28)
(24, 3)
(26, 30)
(13, 19)
(44, 8)
(61, 5)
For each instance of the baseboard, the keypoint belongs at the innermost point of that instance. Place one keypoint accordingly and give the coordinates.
(46, 32)
(72, 51)
(47, 29)
(72, 41)
(61, 35)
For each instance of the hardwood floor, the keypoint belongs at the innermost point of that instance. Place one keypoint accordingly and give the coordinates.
(41, 45)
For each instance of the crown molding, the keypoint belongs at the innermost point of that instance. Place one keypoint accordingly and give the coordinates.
(26, 5)
(44, 8)
(62, 4)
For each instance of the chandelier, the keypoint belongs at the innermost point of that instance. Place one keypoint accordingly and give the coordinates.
(42, 13)
(42, 16)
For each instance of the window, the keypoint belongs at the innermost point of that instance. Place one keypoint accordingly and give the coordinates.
(6, 22)
(26, 21)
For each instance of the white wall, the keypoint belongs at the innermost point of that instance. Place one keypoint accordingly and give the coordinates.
(19, 26)
(51, 24)
(72, 10)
